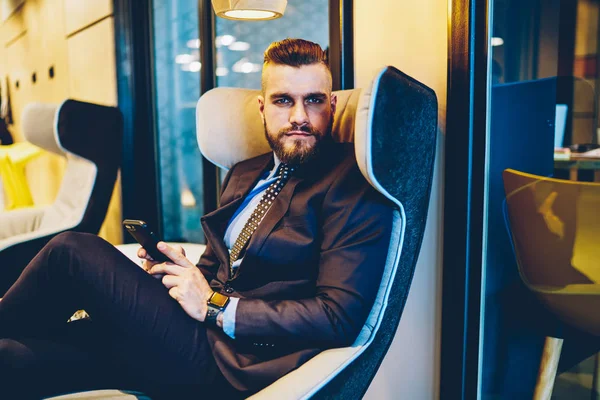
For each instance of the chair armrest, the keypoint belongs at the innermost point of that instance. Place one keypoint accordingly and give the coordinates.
(311, 376)
(193, 251)
(20, 221)
(21, 238)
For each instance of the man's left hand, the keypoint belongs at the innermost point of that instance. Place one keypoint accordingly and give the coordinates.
(185, 282)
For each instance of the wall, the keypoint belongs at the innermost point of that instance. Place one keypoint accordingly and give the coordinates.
(412, 36)
(76, 39)
(7, 7)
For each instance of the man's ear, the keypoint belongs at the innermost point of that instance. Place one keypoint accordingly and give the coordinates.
(261, 107)
(333, 103)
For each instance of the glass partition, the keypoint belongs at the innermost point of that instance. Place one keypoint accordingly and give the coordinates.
(542, 114)
(240, 44)
(177, 88)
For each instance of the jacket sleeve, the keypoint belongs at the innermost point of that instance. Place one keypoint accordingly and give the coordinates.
(208, 263)
(356, 230)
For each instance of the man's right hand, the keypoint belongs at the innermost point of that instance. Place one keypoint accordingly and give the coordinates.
(148, 262)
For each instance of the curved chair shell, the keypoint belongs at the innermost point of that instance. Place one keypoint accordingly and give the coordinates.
(393, 124)
(555, 227)
(397, 117)
(90, 137)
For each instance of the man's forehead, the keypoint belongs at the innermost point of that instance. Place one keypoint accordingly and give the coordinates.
(297, 80)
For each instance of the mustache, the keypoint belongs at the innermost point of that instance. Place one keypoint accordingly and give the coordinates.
(303, 128)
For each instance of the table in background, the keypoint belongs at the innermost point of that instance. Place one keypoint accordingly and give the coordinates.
(575, 164)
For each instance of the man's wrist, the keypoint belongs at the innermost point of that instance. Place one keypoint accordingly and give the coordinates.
(216, 305)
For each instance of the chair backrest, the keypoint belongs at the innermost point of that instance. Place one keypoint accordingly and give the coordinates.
(90, 137)
(555, 225)
(230, 130)
(394, 126)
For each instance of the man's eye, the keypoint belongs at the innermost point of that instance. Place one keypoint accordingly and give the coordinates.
(282, 101)
(314, 100)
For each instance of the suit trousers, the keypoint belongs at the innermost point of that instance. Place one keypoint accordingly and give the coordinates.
(138, 337)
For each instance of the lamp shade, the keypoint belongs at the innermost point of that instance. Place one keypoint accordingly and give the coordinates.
(249, 9)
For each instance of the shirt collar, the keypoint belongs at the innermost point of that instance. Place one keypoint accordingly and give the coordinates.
(276, 161)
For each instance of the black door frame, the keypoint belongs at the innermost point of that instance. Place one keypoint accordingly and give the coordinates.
(141, 196)
(464, 196)
(140, 191)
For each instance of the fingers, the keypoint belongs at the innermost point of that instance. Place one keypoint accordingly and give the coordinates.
(179, 249)
(171, 281)
(167, 268)
(142, 253)
(147, 265)
(174, 254)
(174, 293)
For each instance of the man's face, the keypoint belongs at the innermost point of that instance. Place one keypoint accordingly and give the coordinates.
(297, 110)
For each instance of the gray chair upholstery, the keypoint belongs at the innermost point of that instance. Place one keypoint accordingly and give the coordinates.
(394, 126)
(89, 136)
(399, 152)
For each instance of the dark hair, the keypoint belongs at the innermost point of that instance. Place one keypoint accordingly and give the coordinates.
(295, 53)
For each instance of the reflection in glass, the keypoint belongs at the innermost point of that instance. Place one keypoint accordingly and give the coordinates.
(240, 44)
(543, 73)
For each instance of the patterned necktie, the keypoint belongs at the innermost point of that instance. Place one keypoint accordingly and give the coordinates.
(259, 212)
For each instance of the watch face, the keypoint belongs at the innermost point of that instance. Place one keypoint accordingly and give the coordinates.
(218, 299)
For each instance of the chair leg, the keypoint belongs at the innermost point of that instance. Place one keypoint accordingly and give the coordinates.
(548, 367)
(596, 377)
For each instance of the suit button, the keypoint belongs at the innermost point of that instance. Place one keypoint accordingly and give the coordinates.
(228, 289)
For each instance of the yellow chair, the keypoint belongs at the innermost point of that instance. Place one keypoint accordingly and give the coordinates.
(13, 159)
(8, 183)
(555, 228)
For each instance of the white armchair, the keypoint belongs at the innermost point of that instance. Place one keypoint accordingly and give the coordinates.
(394, 126)
(89, 137)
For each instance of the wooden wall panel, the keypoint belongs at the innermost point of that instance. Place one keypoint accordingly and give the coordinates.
(92, 77)
(48, 33)
(8, 7)
(92, 68)
(14, 26)
(81, 13)
(18, 67)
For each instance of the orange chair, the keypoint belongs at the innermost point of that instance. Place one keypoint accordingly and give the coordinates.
(555, 229)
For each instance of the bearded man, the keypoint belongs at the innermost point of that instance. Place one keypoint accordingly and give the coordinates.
(293, 262)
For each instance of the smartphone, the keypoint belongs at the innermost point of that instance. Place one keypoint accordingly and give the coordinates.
(144, 236)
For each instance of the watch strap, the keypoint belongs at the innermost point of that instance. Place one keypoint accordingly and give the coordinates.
(217, 303)
(211, 314)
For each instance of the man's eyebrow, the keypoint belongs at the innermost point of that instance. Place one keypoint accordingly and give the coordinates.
(277, 95)
(321, 95)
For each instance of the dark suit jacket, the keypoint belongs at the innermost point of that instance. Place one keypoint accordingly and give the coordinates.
(311, 270)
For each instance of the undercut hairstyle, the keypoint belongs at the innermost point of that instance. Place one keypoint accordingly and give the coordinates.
(294, 53)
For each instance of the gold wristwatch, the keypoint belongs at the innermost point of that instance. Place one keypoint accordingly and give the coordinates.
(217, 303)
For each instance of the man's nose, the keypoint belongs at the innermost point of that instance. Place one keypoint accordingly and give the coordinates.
(299, 116)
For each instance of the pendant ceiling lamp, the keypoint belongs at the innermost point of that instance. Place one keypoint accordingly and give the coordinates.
(249, 9)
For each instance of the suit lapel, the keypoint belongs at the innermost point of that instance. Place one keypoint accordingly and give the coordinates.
(215, 223)
(273, 216)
